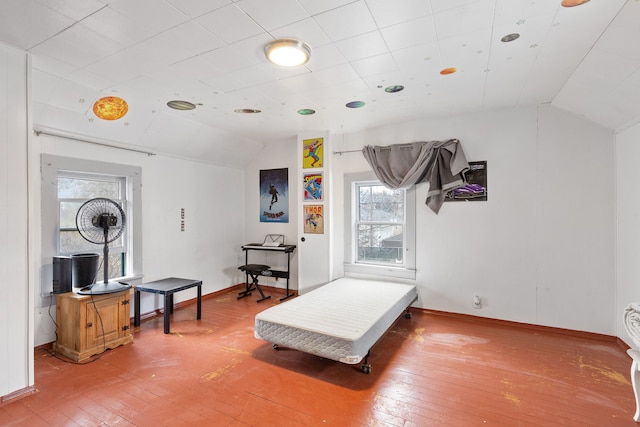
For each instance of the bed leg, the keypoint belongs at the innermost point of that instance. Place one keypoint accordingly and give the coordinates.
(366, 368)
(407, 314)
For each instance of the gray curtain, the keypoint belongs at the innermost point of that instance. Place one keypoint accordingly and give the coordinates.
(440, 163)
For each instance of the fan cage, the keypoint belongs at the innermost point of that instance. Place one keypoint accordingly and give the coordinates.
(101, 221)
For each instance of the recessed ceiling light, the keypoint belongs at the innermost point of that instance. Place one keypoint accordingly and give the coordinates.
(355, 104)
(446, 71)
(571, 3)
(247, 111)
(510, 37)
(110, 108)
(288, 52)
(181, 105)
(394, 88)
(306, 112)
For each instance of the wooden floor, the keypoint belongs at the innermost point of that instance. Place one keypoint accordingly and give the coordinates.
(429, 370)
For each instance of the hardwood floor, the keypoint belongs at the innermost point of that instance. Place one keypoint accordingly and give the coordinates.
(433, 369)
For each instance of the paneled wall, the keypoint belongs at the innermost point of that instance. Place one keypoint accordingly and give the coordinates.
(16, 337)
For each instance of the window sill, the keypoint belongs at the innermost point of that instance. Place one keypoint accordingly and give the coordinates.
(379, 270)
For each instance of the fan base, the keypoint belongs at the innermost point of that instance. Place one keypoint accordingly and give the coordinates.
(104, 288)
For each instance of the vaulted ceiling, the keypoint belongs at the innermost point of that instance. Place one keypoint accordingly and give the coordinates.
(585, 59)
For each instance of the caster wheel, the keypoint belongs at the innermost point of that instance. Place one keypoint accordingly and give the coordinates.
(366, 369)
(275, 346)
(407, 315)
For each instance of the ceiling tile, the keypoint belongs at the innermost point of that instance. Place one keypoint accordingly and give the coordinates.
(315, 7)
(73, 9)
(26, 23)
(411, 33)
(306, 30)
(118, 27)
(230, 24)
(155, 16)
(273, 14)
(362, 46)
(195, 8)
(346, 21)
(88, 46)
(387, 13)
(325, 57)
(374, 65)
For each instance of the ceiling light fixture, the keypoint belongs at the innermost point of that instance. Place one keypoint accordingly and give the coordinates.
(288, 52)
(571, 3)
(110, 108)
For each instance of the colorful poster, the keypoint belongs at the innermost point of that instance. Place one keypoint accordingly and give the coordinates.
(312, 153)
(313, 219)
(312, 186)
(274, 195)
(476, 187)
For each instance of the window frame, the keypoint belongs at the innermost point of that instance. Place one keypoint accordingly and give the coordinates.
(51, 166)
(351, 265)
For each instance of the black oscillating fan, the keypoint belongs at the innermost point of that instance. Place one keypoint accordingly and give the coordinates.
(102, 221)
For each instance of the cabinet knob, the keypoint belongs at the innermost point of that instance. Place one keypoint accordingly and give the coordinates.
(90, 324)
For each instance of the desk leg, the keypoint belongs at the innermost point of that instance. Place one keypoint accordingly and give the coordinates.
(168, 306)
(199, 312)
(136, 307)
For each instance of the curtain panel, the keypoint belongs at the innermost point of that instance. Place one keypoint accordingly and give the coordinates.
(440, 163)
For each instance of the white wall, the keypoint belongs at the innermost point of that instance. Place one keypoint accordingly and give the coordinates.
(628, 223)
(275, 156)
(541, 249)
(16, 334)
(208, 249)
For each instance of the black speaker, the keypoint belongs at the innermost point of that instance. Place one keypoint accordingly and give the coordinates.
(61, 274)
(84, 268)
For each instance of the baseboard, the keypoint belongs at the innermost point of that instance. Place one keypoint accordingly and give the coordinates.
(529, 326)
(18, 394)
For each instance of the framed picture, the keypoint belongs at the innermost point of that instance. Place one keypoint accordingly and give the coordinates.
(476, 188)
(313, 219)
(274, 195)
(312, 153)
(312, 187)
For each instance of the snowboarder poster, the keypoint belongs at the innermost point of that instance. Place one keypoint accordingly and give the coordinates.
(312, 153)
(274, 195)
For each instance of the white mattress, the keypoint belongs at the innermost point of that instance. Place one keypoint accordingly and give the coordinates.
(341, 320)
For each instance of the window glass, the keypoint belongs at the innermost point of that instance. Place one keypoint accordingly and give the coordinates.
(73, 191)
(380, 223)
(87, 188)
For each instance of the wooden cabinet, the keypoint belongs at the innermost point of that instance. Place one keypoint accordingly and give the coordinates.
(90, 324)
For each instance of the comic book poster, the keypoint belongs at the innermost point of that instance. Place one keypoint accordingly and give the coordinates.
(274, 195)
(475, 190)
(313, 219)
(312, 186)
(312, 153)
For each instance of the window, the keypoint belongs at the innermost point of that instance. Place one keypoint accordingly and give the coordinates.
(379, 224)
(66, 184)
(379, 228)
(74, 189)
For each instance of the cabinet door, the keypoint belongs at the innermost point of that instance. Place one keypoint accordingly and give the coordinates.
(103, 321)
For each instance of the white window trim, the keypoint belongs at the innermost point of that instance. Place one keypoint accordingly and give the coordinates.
(350, 266)
(50, 166)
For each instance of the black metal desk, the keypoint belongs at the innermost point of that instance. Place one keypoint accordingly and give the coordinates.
(287, 249)
(166, 287)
